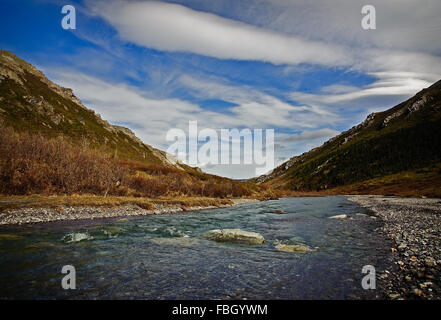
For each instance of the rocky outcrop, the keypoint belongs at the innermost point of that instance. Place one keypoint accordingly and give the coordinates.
(234, 236)
(409, 108)
(127, 132)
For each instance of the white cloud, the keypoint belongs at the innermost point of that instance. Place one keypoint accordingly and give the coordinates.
(255, 108)
(122, 103)
(402, 85)
(173, 27)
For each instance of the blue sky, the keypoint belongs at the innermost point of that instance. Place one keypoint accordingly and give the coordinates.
(303, 68)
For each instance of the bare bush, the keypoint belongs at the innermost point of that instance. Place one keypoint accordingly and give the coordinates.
(31, 163)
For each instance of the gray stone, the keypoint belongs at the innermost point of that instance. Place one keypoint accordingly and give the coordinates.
(235, 236)
(340, 216)
(292, 248)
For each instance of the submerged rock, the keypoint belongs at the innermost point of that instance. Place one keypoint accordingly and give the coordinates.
(292, 248)
(340, 216)
(235, 236)
(76, 237)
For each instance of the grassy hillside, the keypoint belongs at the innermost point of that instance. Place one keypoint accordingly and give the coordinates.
(51, 143)
(402, 139)
(29, 102)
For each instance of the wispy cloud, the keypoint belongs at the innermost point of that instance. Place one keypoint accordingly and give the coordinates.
(172, 27)
(389, 84)
(119, 102)
(255, 108)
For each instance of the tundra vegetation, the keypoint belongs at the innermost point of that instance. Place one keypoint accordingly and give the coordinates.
(33, 164)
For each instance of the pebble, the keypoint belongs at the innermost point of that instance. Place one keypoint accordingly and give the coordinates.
(430, 262)
(417, 292)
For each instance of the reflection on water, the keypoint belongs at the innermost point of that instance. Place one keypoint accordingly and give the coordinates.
(164, 257)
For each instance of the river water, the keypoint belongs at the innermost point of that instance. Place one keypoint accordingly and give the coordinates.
(164, 257)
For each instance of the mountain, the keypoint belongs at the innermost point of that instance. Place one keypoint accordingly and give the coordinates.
(31, 102)
(393, 146)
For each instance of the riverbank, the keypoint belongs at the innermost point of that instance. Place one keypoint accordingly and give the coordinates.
(37, 209)
(414, 225)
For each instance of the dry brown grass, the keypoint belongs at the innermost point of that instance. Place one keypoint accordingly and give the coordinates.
(31, 163)
(34, 164)
(38, 201)
(415, 183)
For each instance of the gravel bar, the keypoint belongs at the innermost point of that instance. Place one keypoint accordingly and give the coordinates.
(46, 214)
(414, 226)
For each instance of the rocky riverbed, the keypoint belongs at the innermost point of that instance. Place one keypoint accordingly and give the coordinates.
(46, 214)
(414, 225)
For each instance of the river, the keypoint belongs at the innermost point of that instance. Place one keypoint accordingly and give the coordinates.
(164, 257)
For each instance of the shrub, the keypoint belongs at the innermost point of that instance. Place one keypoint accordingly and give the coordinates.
(31, 163)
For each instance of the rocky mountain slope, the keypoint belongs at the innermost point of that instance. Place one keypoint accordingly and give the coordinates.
(31, 102)
(404, 138)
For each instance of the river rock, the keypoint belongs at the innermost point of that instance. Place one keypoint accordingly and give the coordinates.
(394, 296)
(235, 236)
(292, 248)
(340, 216)
(430, 262)
(278, 211)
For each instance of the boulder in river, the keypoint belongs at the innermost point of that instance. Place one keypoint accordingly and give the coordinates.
(292, 248)
(339, 216)
(235, 236)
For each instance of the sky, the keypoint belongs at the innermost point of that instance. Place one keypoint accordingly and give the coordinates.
(306, 69)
